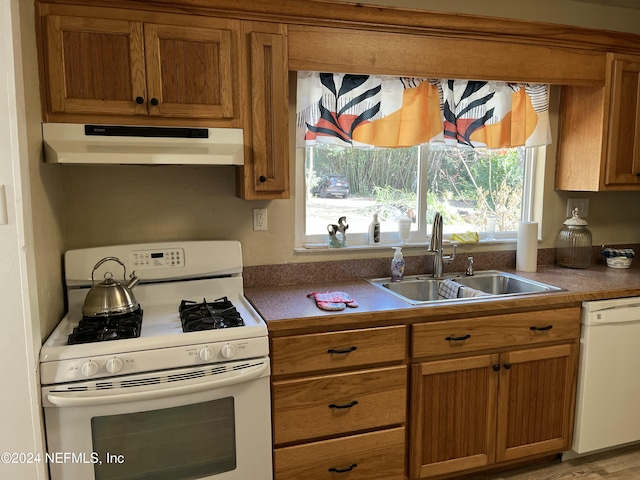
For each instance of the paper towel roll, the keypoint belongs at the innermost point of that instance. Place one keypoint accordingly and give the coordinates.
(527, 250)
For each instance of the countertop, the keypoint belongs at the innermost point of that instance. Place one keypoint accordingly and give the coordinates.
(288, 311)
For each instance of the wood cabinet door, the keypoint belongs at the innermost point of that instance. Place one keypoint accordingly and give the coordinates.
(623, 147)
(453, 408)
(269, 115)
(95, 66)
(535, 401)
(189, 71)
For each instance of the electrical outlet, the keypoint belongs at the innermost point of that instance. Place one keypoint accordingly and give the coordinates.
(582, 204)
(259, 218)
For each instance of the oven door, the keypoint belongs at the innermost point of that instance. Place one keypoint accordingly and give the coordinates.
(209, 422)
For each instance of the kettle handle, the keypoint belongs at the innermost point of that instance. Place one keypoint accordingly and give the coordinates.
(106, 259)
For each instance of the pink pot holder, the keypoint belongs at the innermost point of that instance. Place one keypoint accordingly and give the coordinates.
(333, 301)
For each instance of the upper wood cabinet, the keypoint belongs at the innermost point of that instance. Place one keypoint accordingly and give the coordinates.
(599, 132)
(137, 67)
(267, 121)
(113, 67)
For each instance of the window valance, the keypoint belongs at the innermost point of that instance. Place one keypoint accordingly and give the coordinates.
(384, 111)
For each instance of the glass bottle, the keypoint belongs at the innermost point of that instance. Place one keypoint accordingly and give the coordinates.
(574, 244)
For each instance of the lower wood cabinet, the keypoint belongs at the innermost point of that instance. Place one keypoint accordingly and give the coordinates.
(329, 405)
(479, 392)
(378, 455)
(340, 404)
(475, 411)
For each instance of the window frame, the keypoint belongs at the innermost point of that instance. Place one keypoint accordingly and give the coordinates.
(531, 197)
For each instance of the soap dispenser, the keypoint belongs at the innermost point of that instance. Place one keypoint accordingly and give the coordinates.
(397, 265)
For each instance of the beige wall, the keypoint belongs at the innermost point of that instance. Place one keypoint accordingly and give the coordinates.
(45, 187)
(79, 206)
(585, 13)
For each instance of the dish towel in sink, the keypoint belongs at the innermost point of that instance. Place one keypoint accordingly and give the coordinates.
(468, 292)
(451, 289)
(333, 301)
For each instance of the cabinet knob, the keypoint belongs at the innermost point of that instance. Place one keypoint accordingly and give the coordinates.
(262, 178)
(507, 366)
(496, 367)
(139, 100)
(154, 102)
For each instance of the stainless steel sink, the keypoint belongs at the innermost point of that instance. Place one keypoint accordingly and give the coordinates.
(421, 289)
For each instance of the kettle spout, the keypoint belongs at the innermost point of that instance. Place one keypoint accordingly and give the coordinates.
(134, 280)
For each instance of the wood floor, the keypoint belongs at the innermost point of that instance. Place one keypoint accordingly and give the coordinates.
(621, 464)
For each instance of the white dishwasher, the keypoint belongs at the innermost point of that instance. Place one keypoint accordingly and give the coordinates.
(608, 395)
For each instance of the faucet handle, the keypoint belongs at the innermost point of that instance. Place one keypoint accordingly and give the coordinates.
(450, 258)
(469, 272)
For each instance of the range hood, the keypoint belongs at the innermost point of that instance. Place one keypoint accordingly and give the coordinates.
(127, 145)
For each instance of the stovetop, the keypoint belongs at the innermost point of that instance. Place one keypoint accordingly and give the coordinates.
(161, 325)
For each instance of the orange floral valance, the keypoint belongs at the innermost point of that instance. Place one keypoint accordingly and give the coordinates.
(383, 111)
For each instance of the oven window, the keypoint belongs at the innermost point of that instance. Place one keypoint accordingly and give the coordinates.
(179, 443)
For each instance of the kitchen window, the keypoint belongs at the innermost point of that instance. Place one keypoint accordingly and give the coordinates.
(476, 190)
(400, 147)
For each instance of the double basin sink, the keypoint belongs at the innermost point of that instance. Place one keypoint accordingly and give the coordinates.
(422, 289)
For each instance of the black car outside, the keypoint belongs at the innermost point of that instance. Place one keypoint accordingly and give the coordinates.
(332, 186)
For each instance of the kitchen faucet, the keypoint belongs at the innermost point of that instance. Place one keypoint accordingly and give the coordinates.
(435, 247)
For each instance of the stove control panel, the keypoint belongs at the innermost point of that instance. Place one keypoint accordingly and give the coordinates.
(149, 259)
(101, 366)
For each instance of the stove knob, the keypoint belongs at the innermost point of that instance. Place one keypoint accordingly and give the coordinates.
(89, 368)
(228, 350)
(206, 354)
(114, 365)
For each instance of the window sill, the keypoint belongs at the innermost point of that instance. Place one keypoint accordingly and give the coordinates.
(323, 248)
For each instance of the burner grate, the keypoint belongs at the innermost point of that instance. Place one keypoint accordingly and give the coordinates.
(109, 327)
(198, 316)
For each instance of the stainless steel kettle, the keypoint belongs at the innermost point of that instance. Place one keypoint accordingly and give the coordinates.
(110, 297)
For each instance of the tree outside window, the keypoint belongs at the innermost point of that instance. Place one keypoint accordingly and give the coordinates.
(466, 185)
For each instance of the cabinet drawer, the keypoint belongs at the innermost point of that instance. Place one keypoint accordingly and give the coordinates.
(370, 456)
(496, 331)
(340, 403)
(337, 350)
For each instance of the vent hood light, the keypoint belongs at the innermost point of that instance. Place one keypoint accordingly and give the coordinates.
(125, 145)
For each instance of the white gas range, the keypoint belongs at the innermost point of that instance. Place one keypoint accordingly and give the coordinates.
(196, 392)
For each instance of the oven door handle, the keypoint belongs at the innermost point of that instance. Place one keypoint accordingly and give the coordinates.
(134, 394)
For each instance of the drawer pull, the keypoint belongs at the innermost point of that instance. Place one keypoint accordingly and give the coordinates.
(346, 350)
(348, 405)
(541, 329)
(343, 470)
(458, 339)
